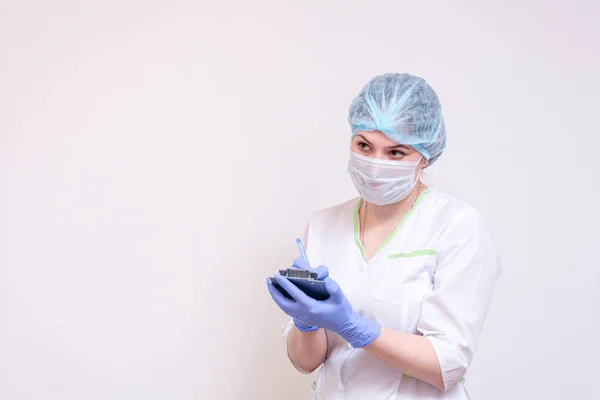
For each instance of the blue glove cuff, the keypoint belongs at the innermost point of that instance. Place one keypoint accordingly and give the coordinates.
(305, 328)
(360, 331)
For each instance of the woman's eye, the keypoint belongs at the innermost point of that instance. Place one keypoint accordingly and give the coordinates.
(396, 154)
(363, 146)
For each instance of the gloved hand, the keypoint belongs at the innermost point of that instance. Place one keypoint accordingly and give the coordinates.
(322, 272)
(335, 313)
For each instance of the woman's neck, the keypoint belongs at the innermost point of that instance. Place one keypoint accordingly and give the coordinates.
(392, 213)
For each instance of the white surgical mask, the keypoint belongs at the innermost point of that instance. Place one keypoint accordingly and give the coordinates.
(382, 181)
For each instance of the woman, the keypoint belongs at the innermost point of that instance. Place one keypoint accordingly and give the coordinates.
(410, 271)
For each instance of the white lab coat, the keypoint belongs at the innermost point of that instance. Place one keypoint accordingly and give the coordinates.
(433, 277)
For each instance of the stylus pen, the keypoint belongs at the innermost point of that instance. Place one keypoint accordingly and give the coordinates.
(302, 251)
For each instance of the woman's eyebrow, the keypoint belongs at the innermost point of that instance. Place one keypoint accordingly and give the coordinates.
(363, 138)
(396, 146)
(400, 146)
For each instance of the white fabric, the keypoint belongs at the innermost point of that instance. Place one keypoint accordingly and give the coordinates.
(442, 291)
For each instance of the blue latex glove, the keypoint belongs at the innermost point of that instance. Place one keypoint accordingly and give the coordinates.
(322, 272)
(335, 313)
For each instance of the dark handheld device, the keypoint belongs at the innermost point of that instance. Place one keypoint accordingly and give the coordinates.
(304, 280)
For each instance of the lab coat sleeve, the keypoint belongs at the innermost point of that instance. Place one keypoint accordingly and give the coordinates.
(452, 315)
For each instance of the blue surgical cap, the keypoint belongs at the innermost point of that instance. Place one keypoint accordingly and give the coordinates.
(404, 108)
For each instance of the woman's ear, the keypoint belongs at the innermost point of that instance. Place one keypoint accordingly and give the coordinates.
(424, 163)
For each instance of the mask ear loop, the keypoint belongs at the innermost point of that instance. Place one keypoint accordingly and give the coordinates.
(419, 176)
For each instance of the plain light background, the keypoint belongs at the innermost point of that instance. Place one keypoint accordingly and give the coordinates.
(158, 159)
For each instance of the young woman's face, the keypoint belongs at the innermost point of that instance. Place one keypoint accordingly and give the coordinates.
(375, 144)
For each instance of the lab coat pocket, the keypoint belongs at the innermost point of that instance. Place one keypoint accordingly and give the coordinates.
(405, 281)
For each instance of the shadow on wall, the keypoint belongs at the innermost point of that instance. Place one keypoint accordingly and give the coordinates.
(263, 361)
